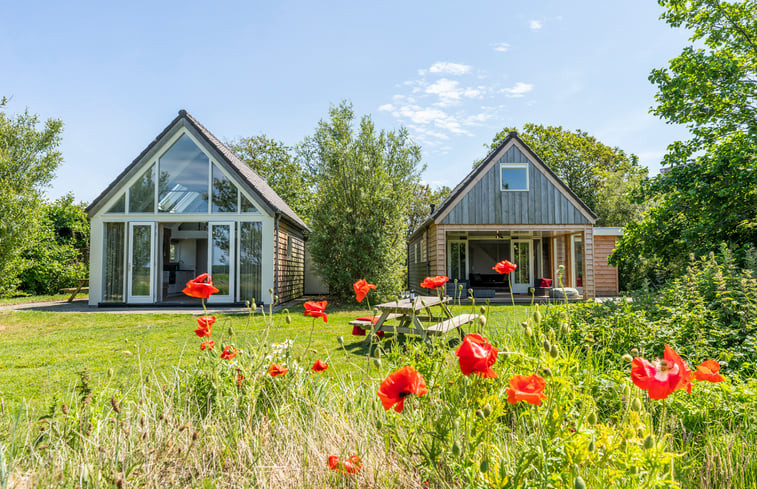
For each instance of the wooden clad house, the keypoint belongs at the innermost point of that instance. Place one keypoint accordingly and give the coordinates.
(185, 206)
(513, 207)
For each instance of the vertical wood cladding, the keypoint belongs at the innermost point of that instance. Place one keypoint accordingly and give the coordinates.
(542, 203)
(290, 263)
(606, 275)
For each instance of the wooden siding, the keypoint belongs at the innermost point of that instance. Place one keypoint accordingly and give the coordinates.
(606, 274)
(290, 263)
(588, 272)
(543, 203)
(417, 267)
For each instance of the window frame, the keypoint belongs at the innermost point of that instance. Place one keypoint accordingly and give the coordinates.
(514, 166)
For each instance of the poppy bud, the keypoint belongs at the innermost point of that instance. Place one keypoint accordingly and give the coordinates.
(378, 424)
(563, 328)
(528, 332)
(288, 319)
(482, 320)
(627, 358)
(110, 373)
(648, 442)
(114, 403)
(340, 340)
(195, 436)
(547, 345)
(457, 449)
(487, 410)
(480, 414)
(253, 305)
(553, 352)
(524, 324)
(230, 331)
(377, 363)
(270, 291)
(579, 483)
(482, 309)
(592, 446)
(484, 466)
(547, 371)
(537, 316)
(636, 404)
(592, 418)
(635, 352)
(275, 299)
(64, 408)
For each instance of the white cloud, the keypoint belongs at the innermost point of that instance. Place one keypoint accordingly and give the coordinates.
(501, 47)
(535, 25)
(519, 90)
(448, 68)
(445, 89)
(387, 108)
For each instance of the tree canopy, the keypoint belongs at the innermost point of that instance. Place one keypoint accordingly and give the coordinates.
(29, 157)
(420, 207)
(276, 164)
(365, 181)
(602, 176)
(709, 194)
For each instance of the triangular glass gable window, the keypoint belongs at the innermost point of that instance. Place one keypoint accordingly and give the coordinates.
(183, 185)
(119, 206)
(247, 206)
(224, 192)
(142, 193)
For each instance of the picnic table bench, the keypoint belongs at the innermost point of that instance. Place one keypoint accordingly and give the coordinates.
(75, 290)
(416, 317)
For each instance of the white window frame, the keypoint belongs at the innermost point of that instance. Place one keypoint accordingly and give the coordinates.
(513, 166)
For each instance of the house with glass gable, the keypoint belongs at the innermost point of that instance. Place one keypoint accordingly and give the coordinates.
(188, 205)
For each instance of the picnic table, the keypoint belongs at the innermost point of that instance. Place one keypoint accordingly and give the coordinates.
(416, 317)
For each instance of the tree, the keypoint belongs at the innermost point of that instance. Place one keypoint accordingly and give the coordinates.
(276, 164)
(28, 160)
(420, 206)
(601, 176)
(365, 180)
(59, 253)
(708, 196)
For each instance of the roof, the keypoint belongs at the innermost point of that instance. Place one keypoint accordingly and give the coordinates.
(243, 171)
(481, 167)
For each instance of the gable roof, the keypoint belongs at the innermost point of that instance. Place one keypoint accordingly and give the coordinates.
(472, 177)
(233, 162)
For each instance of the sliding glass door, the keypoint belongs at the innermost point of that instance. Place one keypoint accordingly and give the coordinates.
(221, 260)
(523, 277)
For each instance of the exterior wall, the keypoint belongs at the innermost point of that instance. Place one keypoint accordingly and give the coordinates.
(95, 261)
(588, 272)
(485, 203)
(417, 261)
(606, 275)
(290, 263)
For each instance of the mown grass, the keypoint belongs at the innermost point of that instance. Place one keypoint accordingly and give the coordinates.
(25, 299)
(43, 353)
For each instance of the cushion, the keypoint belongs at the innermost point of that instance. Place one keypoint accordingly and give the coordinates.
(484, 293)
(358, 331)
(563, 292)
(579, 282)
(545, 282)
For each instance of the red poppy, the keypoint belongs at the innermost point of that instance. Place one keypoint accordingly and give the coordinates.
(708, 370)
(400, 384)
(361, 289)
(504, 267)
(526, 388)
(228, 353)
(207, 345)
(434, 282)
(275, 370)
(315, 309)
(477, 356)
(205, 323)
(350, 466)
(240, 379)
(663, 377)
(200, 286)
(319, 366)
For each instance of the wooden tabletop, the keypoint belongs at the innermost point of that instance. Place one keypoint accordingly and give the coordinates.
(405, 306)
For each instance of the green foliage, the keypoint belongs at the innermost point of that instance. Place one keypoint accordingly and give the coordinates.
(59, 253)
(276, 164)
(602, 177)
(420, 205)
(28, 160)
(709, 194)
(365, 181)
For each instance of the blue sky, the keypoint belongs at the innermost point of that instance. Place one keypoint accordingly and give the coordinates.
(454, 73)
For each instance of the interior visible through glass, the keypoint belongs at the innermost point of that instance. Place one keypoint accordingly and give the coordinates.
(220, 268)
(183, 185)
(250, 261)
(141, 260)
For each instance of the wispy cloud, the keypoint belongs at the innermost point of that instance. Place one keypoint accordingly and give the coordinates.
(501, 47)
(535, 25)
(447, 68)
(518, 91)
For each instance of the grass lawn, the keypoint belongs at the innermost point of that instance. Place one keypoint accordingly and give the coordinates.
(24, 299)
(43, 353)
